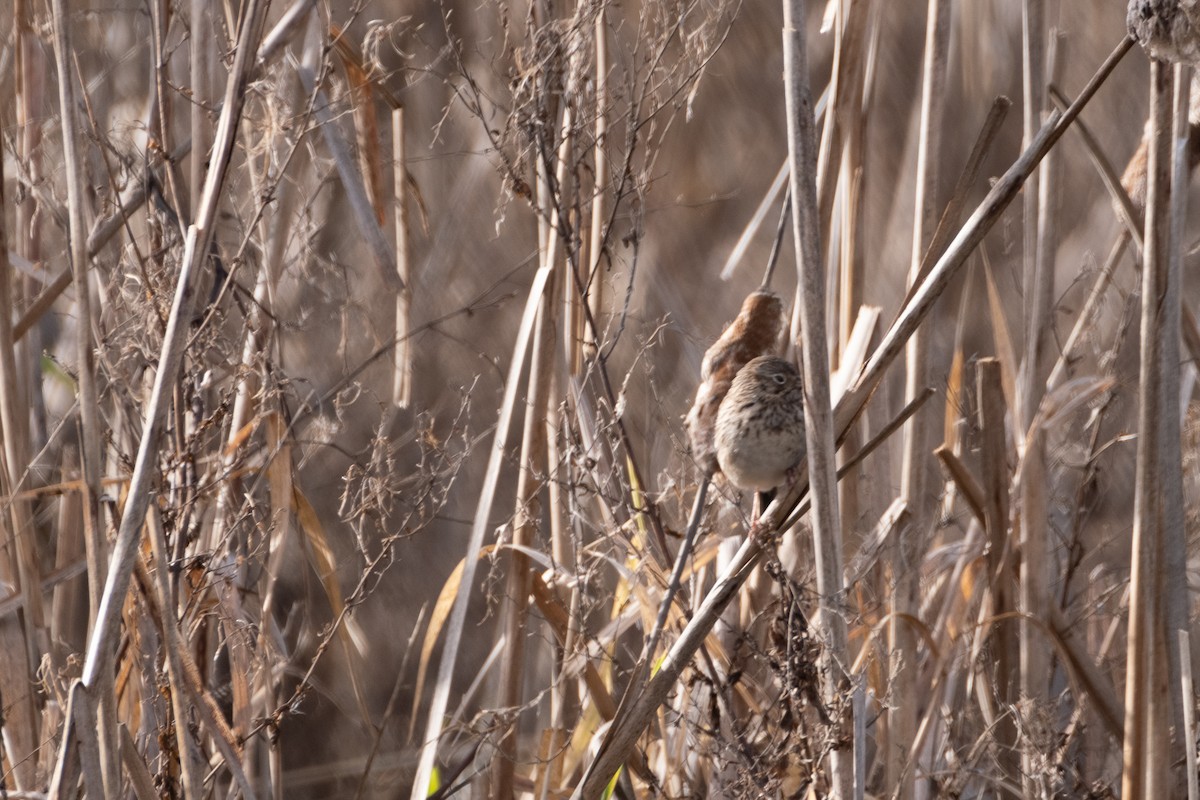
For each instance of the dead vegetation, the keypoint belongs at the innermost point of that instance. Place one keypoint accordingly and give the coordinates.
(345, 358)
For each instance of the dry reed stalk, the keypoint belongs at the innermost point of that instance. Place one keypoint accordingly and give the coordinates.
(403, 358)
(1033, 83)
(819, 434)
(1142, 707)
(904, 556)
(847, 280)
(995, 478)
(33, 104)
(845, 93)
(94, 535)
(597, 234)
(200, 24)
(525, 523)
(1031, 524)
(1187, 685)
(1171, 590)
(18, 565)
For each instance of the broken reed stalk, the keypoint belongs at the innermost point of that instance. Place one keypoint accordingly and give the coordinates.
(993, 457)
(1143, 705)
(97, 670)
(627, 728)
(905, 552)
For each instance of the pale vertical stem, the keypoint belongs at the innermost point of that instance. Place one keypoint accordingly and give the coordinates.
(818, 418)
(30, 62)
(1033, 81)
(199, 48)
(273, 225)
(906, 550)
(18, 564)
(160, 123)
(593, 279)
(1138, 763)
(562, 698)
(402, 354)
(29, 92)
(1032, 517)
(1171, 593)
(89, 410)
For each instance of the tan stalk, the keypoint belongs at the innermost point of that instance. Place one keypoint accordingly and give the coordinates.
(1033, 82)
(1140, 753)
(1171, 593)
(18, 564)
(402, 358)
(564, 705)
(993, 457)
(914, 475)
(69, 608)
(200, 28)
(88, 400)
(595, 278)
(819, 433)
(1032, 517)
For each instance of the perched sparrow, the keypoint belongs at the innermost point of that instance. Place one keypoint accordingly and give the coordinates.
(760, 425)
(755, 331)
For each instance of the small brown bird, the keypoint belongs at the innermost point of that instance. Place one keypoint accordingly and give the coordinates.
(760, 425)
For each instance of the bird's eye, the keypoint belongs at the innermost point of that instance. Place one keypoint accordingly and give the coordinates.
(779, 378)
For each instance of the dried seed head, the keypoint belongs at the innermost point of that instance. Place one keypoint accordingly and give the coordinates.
(1168, 29)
